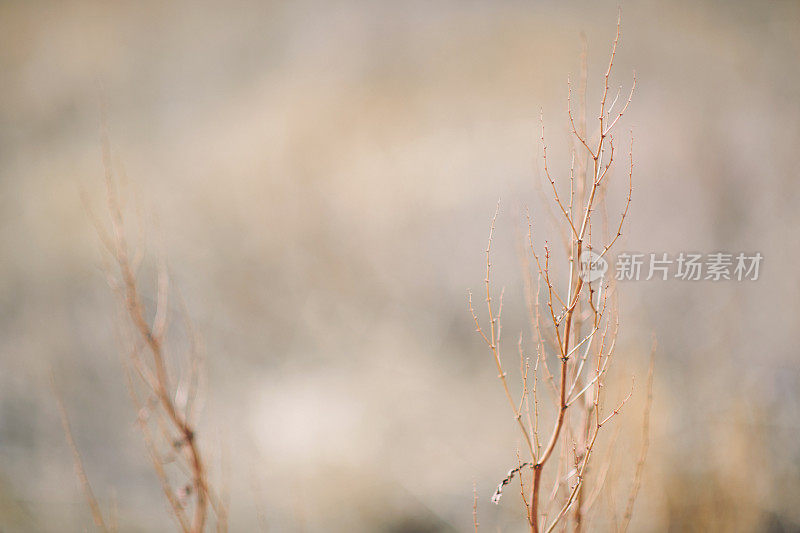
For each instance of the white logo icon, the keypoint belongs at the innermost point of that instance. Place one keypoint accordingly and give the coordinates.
(593, 266)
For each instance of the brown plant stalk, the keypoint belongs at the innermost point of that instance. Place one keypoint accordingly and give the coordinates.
(583, 321)
(166, 407)
(80, 471)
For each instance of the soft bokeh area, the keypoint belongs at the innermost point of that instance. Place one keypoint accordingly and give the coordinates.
(320, 177)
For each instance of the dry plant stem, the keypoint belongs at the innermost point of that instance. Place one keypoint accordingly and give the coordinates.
(532, 304)
(475, 506)
(494, 332)
(637, 478)
(522, 486)
(158, 462)
(154, 343)
(599, 172)
(524, 367)
(97, 514)
(225, 497)
(534, 311)
(568, 313)
(581, 471)
(601, 478)
(155, 375)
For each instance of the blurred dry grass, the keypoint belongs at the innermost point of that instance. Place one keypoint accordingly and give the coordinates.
(322, 175)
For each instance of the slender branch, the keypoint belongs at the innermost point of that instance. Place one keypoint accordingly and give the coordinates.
(637, 478)
(97, 514)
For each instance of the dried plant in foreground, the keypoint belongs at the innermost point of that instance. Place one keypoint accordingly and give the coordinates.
(164, 380)
(577, 328)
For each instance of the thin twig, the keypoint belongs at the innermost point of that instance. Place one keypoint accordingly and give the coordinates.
(637, 478)
(80, 472)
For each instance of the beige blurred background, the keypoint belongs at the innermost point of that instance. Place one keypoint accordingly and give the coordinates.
(321, 176)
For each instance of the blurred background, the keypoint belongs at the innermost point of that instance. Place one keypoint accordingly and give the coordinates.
(320, 176)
